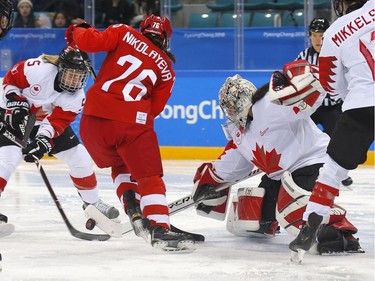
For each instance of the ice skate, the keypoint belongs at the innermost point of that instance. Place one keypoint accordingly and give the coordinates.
(169, 241)
(5, 227)
(306, 238)
(104, 216)
(106, 209)
(140, 225)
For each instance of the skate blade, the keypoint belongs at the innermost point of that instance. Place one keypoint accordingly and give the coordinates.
(6, 229)
(297, 256)
(182, 246)
(140, 231)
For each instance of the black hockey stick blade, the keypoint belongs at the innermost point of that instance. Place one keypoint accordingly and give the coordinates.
(76, 233)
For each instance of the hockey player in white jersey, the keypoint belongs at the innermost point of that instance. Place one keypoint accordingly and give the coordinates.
(328, 113)
(51, 87)
(285, 144)
(347, 70)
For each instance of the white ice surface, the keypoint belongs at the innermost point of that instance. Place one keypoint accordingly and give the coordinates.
(41, 248)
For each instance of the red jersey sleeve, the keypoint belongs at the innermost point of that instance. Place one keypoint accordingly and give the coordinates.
(92, 40)
(15, 79)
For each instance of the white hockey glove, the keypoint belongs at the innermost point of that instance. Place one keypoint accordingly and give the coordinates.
(296, 87)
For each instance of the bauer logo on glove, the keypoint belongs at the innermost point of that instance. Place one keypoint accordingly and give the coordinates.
(296, 84)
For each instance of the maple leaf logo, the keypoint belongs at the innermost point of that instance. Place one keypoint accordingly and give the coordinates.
(327, 66)
(267, 161)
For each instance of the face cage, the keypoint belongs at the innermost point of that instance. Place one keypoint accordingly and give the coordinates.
(72, 80)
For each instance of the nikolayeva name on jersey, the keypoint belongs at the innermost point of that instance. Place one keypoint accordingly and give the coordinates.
(353, 26)
(143, 48)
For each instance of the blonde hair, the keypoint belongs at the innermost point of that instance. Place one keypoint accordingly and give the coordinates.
(54, 59)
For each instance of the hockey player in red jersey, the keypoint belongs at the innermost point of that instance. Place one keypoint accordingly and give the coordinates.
(133, 85)
(347, 70)
(285, 144)
(51, 87)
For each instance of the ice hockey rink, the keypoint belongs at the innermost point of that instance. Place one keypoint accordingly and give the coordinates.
(41, 248)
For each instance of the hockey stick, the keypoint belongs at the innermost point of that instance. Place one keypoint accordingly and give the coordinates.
(23, 143)
(76, 233)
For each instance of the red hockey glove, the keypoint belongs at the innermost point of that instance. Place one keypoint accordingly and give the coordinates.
(205, 183)
(69, 33)
(16, 111)
(295, 86)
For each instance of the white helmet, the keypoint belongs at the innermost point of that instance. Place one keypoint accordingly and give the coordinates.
(235, 98)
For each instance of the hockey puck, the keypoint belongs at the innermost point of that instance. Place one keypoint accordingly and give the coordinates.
(90, 224)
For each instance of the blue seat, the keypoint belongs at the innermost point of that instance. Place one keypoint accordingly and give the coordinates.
(252, 5)
(202, 20)
(295, 18)
(229, 20)
(266, 18)
(176, 6)
(221, 5)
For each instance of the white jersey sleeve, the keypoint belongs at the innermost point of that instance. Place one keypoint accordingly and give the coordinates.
(347, 58)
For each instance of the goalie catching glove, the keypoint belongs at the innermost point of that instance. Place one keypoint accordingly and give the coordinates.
(297, 86)
(37, 148)
(206, 182)
(17, 108)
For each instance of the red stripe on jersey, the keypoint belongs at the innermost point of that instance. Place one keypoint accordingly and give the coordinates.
(16, 77)
(368, 57)
(60, 120)
(326, 72)
(85, 183)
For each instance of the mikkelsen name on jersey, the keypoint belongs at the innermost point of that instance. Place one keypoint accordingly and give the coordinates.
(143, 48)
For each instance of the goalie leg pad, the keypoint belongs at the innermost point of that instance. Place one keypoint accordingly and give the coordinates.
(245, 214)
(291, 204)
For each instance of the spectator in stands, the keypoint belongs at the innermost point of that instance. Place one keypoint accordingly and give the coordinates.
(60, 20)
(116, 11)
(25, 16)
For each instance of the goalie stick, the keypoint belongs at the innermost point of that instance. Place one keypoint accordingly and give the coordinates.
(119, 229)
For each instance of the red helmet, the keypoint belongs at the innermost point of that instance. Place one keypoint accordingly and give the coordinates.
(160, 26)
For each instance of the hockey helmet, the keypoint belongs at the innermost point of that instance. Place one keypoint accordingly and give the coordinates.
(154, 25)
(338, 6)
(6, 20)
(235, 97)
(318, 25)
(72, 71)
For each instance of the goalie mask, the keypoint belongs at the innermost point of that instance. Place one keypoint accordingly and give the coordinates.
(235, 98)
(6, 13)
(72, 74)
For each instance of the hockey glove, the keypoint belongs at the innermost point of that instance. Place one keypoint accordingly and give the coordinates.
(16, 111)
(205, 184)
(297, 86)
(38, 147)
(69, 33)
